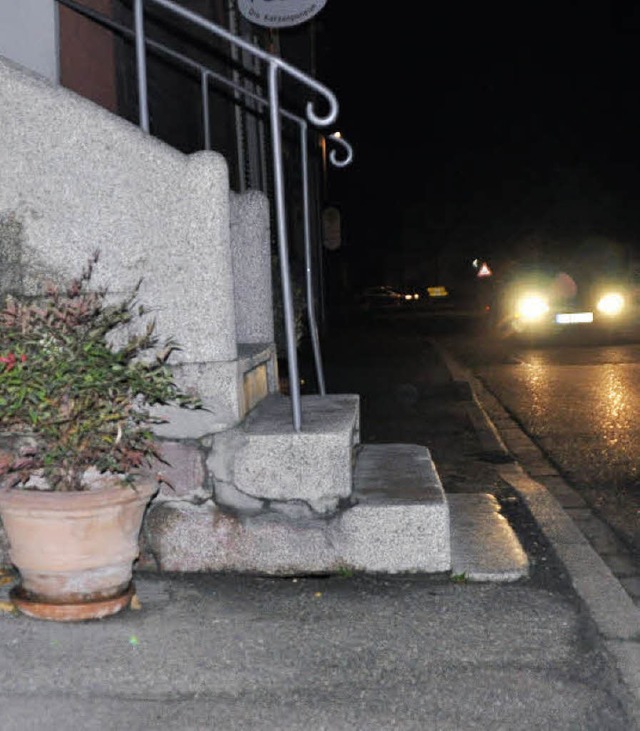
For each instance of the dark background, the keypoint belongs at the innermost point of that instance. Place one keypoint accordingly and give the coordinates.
(477, 130)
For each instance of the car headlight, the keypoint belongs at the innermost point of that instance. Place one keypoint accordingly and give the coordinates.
(532, 307)
(611, 304)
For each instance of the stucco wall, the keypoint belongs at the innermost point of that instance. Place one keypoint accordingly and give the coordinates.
(28, 35)
(74, 178)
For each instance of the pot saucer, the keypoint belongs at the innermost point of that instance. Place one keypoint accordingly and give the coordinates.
(75, 612)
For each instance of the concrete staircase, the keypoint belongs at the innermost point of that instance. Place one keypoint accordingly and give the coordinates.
(316, 501)
(249, 494)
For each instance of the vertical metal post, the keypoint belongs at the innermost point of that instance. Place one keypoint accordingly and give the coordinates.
(320, 252)
(311, 312)
(141, 65)
(206, 123)
(321, 288)
(283, 250)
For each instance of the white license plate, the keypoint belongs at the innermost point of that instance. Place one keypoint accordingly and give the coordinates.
(569, 318)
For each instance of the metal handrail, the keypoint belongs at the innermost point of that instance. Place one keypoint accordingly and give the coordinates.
(275, 66)
(311, 313)
(340, 162)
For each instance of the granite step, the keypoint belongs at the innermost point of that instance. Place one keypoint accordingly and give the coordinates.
(398, 520)
(400, 516)
(484, 546)
(266, 461)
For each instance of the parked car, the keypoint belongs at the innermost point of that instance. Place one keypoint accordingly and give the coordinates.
(386, 297)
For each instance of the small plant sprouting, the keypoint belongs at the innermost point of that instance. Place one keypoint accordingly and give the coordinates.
(459, 578)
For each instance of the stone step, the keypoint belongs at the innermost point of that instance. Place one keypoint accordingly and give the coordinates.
(265, 463)
(400, 522)
(484, 546)
(397, 521)
(403, 520)
(400, 517)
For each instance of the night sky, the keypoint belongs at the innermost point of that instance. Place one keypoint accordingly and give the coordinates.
(475, 128)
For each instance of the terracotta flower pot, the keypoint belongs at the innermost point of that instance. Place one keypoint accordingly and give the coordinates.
(74, 550)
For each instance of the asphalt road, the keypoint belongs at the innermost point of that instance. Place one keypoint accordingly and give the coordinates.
(578, 401)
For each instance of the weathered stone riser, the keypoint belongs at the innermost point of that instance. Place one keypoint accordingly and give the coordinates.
(395, 520)
(262, 464)
(182, 537)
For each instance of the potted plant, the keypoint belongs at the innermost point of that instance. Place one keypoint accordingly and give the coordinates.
(77, 430)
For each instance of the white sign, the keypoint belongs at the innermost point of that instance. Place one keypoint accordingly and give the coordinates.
(280, 13)
(484, 270)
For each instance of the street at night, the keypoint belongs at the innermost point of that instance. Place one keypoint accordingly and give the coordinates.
(391, 262)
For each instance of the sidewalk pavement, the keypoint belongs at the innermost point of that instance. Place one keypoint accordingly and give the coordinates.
(555, 650)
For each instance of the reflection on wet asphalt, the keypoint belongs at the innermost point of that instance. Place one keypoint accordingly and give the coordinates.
(581, 406)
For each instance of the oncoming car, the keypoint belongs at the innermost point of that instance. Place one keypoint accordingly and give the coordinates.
(542, 303)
